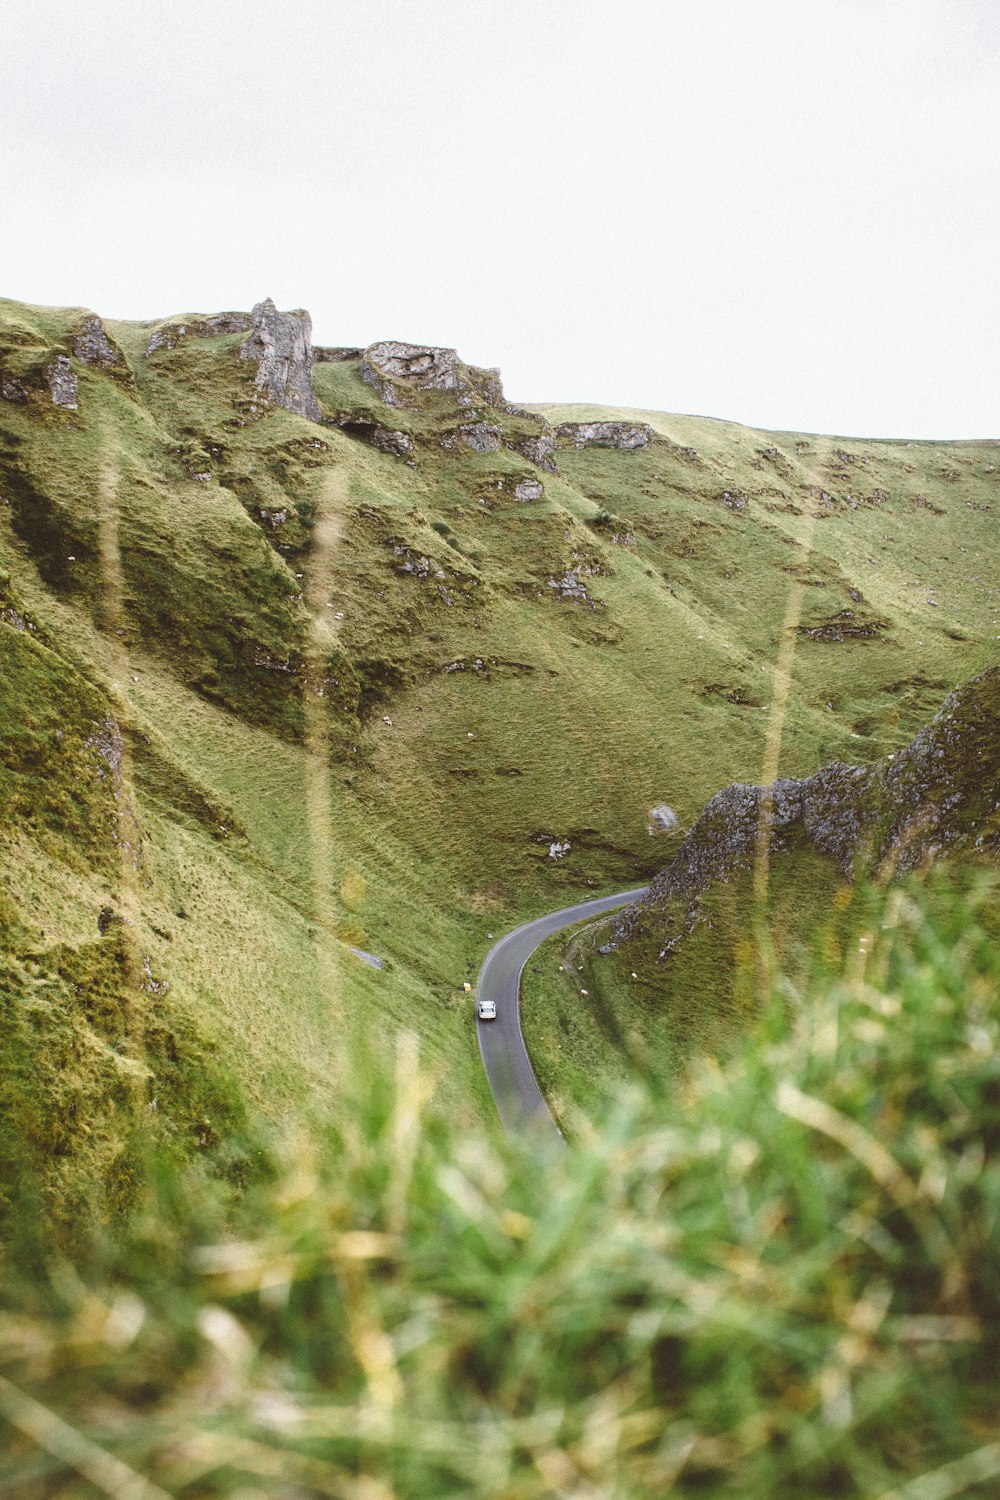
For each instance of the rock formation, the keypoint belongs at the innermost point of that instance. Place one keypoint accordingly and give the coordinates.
(540, 450)
(624, 435)
(12, 389)
(327, 356)
(169, 335)
(62, 382)
(481, 437)
(281, 345)
(419, 366)
(92, 346)
(386, 441)
(941, 792)
(397, 371)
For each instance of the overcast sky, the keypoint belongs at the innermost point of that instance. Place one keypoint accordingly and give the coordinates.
(780, 211)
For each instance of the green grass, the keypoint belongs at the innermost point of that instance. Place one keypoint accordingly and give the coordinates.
(781, 1281)
(279, 826)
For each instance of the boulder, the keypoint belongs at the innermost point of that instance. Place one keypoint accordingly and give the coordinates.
(62, 382)
(386, 441)
(527, 490)
(624, 435)
(281, 345)
(399, 443)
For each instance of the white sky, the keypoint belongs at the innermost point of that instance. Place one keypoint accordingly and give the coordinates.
(780, 211)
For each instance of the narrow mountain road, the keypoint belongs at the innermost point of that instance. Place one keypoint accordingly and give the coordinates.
(519, 1100)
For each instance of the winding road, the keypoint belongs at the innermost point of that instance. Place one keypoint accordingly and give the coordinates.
(519, 1101)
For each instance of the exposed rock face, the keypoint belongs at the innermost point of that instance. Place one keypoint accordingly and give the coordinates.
(12, 389)
(528, 490)
(419, 366)
(540, 450)
(398, 443)
(397, 372)
(570, 586)
(942, 791)
(481, 437)
(846, 625)
(488, 386)
(327, 356)
(624, 435)
(62, 382)
(281, 344)
(92, 346)
(169, 335)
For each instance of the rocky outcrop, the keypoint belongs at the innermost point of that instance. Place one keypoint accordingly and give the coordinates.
(12, 389)
(399, 372)
(487, 385)
(540, 450)
(281, 345)
(418, 367)
(481, 437)
(527, 490)
(624, 435)
(62, 382)
(386, 441)
(327, 356)
(942, 792)
(92, 346)
(169, 335)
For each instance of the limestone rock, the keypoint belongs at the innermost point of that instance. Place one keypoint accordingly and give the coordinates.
(62, 382)
(527, 490)
(540, 450)
(92, 346)
(169, 335)
(281, 345)
(398, 372)
(12, 389)
(398, 443)
(488, 386)
(327, 356)
(661, 819)
(942, 791)
(419, 366)
(481, 437)
(570, 585)
(624, 435)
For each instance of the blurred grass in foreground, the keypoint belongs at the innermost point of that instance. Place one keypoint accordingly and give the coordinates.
(785, 1283)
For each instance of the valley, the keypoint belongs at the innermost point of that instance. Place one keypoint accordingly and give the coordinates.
(392, 672)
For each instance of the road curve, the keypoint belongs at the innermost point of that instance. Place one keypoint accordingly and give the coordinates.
(519, 1101)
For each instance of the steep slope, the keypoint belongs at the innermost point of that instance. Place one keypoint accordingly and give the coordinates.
(309, 651)
(764, 874)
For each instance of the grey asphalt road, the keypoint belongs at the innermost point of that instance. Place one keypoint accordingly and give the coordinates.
(519, 1100)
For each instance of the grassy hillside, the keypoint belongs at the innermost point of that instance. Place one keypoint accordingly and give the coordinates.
(765, 872)
(782, 1284)
(273, 695)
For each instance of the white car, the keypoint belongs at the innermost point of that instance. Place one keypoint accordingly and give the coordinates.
(487, 1010)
